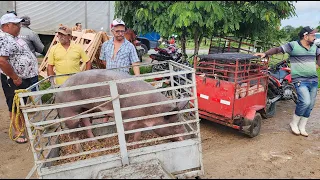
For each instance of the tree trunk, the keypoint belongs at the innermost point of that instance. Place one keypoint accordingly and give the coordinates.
(197, 41)
(240, 44)
(183, 45)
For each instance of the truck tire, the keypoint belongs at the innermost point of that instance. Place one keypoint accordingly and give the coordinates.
(255, 126)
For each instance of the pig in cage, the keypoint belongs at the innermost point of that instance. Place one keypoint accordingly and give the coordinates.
(103, 119)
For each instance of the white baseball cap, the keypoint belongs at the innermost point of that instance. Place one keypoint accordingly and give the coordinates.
(117, 22)
(10, 18)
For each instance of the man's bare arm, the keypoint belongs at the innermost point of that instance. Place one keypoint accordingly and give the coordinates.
(50, 71)
(88, 65)
(136, 68)
(270, 52)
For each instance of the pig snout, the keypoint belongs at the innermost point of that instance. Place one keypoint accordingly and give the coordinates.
(172, 130)
(180, 129)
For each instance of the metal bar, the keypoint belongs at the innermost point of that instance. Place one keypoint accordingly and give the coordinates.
(118, 118)
(78, 154)
(197, 117)
(66, 104)
(78, 117)
(162, 138)
(186, 89)
(157, 115)
(25, 116)
(86, 14)
(136, 78)
(175, 145)
(79, 129)
(154, 91)
(79, 141)
(159, 126)
(90, 163)
(110, 111)
(155, 104)
(45, 117)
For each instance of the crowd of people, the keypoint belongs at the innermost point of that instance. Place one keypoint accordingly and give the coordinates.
(19, 65)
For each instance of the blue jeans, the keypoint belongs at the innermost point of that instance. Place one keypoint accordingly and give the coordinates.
(33, 81)
(307, 92)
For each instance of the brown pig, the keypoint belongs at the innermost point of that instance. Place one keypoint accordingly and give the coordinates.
(101, 75)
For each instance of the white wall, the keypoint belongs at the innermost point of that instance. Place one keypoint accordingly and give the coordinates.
(47, 15)
(6, 6)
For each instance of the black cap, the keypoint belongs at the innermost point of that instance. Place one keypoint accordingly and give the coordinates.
(306, 30)
(26, 20)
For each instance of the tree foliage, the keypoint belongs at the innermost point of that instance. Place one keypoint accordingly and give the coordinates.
(198, 19)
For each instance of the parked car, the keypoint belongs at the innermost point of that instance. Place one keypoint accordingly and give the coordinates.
(149, 40)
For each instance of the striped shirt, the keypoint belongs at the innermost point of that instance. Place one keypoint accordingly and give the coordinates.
(302, 60)
(125, 56)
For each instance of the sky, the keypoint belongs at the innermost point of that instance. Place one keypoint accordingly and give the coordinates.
(308, 14)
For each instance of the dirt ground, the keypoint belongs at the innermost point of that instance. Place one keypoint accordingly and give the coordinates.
(275, 153)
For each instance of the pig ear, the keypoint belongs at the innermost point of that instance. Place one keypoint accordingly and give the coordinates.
(182, 105)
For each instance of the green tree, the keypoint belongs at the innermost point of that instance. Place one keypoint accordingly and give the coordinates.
(196, 19)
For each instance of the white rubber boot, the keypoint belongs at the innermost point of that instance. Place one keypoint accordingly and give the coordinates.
(294, 124)
(302, 126)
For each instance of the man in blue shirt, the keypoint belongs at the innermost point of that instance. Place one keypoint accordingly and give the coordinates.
(119, 52)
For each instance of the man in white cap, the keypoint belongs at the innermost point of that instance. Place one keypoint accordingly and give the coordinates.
(118, 51)
(19, 65)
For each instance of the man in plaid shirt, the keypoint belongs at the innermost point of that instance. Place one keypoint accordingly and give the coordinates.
(118, 51)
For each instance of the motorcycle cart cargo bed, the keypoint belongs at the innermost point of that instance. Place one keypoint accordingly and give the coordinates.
(231, 57)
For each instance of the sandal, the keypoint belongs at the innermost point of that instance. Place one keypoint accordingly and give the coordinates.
(23, 137)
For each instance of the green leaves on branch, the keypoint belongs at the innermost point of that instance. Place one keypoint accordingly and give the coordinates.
(255, 19)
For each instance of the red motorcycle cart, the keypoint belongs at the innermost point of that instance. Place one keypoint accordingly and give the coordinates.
(232, 90)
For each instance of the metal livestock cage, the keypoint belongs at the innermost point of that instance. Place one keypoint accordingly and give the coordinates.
(232, 90)
(53, 150)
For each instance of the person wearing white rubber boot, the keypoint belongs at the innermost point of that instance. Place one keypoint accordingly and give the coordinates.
(302, 126)
(304, 59)
(294, 124)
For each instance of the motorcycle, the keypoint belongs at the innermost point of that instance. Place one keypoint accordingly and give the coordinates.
(140, 50)
(280, 87)
(164, 54)
(174, 55)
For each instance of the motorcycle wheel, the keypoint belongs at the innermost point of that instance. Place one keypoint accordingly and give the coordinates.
(145, 49)
(159, 67)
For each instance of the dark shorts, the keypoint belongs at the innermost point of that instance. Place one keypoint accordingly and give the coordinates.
(9, 87)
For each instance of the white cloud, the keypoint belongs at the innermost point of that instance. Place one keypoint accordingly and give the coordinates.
(308, 14)
(307, 6)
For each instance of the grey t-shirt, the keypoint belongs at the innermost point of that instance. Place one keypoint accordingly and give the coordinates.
(32, 39)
